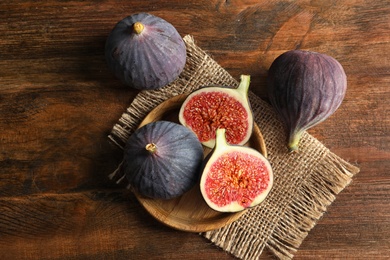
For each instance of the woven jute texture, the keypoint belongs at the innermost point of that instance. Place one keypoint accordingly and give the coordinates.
(305, 183)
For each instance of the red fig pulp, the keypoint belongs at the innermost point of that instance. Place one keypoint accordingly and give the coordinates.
(213, 107)
(235, 177)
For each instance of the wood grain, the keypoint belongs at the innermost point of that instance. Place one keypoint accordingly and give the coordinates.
(58, 102)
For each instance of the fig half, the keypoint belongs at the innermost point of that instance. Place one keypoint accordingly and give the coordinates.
(210, 108)
(235, 177)
(305, 88)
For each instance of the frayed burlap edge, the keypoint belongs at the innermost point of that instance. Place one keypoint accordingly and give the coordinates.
(305, 183)
(299, 216)
(312, 177)
(310, 202)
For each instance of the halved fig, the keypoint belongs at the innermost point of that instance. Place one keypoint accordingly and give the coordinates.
(210, 108)
(235, 177)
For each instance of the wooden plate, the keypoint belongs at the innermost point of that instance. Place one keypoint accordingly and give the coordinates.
(189, 212)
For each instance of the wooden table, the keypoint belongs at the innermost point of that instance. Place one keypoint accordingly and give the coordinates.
(59, 101)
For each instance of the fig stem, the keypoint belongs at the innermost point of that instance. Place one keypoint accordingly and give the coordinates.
(243, 87)
(138, 27)
(293, 142)
(151, 147)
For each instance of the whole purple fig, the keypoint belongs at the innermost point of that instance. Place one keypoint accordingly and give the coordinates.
(162, 160)
(145, 51)
(305, 88)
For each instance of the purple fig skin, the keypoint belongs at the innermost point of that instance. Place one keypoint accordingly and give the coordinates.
(305, 88)
(162, 160)
(145, 51)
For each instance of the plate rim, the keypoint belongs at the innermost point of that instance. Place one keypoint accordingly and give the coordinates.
(147, 203)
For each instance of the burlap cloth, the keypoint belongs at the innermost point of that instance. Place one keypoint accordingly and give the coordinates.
(305, 182)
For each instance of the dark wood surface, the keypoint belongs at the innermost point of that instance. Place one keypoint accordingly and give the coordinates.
(59, 101)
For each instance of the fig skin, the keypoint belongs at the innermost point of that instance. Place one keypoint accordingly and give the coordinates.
(145, 51)
(305, 88)
(162, 160)
(234, 177)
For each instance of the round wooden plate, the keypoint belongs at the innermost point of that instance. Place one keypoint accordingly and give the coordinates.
(190, 212)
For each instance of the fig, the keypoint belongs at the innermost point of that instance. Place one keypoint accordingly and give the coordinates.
(235, 177)
(212, 107)
(162, 160)
(305, 88)
(145, 51)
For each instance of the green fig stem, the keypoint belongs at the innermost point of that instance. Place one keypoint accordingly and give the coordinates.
(293, 141)
(138, 27)
(151, 147)
(244, 85)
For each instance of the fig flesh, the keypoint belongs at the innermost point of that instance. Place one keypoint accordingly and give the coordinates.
(235, 177)
(305, 88)
(145, 51)
(162, 160)
(209, 108)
